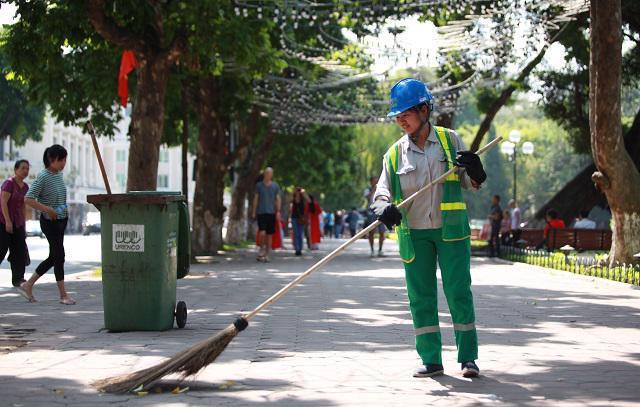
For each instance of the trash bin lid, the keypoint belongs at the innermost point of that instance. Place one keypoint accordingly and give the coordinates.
(142, 197)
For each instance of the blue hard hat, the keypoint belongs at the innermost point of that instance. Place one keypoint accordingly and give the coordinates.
(408, 93)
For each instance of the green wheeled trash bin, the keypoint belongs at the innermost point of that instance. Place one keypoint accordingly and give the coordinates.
(145, 248)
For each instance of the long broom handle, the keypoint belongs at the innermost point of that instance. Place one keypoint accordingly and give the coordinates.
(275, 297)
(97, 150)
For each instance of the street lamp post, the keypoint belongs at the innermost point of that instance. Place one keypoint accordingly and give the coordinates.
(510, 148)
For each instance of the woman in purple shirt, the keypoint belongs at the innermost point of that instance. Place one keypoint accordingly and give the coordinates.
(12, 231)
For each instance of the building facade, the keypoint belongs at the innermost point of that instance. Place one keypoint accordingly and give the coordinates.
(82, 173)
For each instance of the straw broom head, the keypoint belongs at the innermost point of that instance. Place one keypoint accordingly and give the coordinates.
(187, 362)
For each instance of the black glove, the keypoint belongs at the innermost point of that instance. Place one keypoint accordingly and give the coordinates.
(387, 213)
(472, 164)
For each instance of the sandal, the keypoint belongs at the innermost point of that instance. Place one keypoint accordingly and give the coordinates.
(22, 292)
(25, 294)
(67, 301)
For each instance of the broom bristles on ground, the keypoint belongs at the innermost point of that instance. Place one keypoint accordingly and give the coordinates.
(187, 362)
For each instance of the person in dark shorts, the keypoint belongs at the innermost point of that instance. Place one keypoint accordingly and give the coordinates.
(266, 204)
(372, 217)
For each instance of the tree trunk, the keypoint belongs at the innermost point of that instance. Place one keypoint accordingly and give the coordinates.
(208, 208)
(147, 119)
(147, 123)
(250, 164)
(185, 139)
(251, 225)
(617, 176)
(506, 93)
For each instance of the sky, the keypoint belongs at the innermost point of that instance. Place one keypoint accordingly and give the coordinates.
(7, 11)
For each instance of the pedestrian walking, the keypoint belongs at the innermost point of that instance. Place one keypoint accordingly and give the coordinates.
(12, 232)
(48, 194)
(328, 224)
(435, 228)
(505, 228)
(298, 218)
(371, 217)
(495, 219)
(352, 221)
(313, 211)
(337, 223)
(516, 231)
(266, 204)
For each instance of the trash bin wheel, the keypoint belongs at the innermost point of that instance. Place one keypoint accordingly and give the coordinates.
(181, 314)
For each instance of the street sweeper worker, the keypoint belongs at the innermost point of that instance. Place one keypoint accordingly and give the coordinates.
(435, 227)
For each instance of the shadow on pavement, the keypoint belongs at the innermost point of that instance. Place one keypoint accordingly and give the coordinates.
(56, 391)
(358, 305)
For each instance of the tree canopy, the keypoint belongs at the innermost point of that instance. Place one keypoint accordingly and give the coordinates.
(20, 118)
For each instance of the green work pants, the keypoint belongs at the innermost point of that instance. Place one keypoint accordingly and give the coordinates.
(454, 259)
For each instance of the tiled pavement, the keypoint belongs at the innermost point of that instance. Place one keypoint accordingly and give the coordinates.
(342, 338)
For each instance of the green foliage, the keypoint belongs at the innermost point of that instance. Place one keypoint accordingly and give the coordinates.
(322, 161)
(53, 49)
(565, 93)
(371, 143)
(573, 263)
(20, 118)
(498, 177)
(245, 244)
(486, 96)
(539, 176)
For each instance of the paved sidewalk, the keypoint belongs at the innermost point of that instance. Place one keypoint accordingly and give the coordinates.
(343, 338)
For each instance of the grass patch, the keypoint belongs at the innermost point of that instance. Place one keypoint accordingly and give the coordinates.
(479, 244)
(245, 244)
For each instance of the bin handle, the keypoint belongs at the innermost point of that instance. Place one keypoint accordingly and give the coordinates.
(92, 132)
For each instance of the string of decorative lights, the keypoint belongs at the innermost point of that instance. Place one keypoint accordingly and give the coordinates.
(310, 31)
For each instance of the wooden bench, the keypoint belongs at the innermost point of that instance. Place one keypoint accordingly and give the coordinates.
(530, 237)
(579, 239)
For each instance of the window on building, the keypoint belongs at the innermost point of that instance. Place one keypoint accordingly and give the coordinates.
(121, 156)
(164, 156)
(163, 181)
(121, 180)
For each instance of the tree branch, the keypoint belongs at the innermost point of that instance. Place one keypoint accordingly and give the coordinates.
(109, 29)
(508, 91)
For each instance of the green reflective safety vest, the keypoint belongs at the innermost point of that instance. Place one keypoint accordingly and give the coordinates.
(455, 221)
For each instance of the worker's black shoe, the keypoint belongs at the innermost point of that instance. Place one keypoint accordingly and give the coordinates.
(429, 370)
(470, 369)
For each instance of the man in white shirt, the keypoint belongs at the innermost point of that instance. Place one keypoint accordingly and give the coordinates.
(583, 221)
